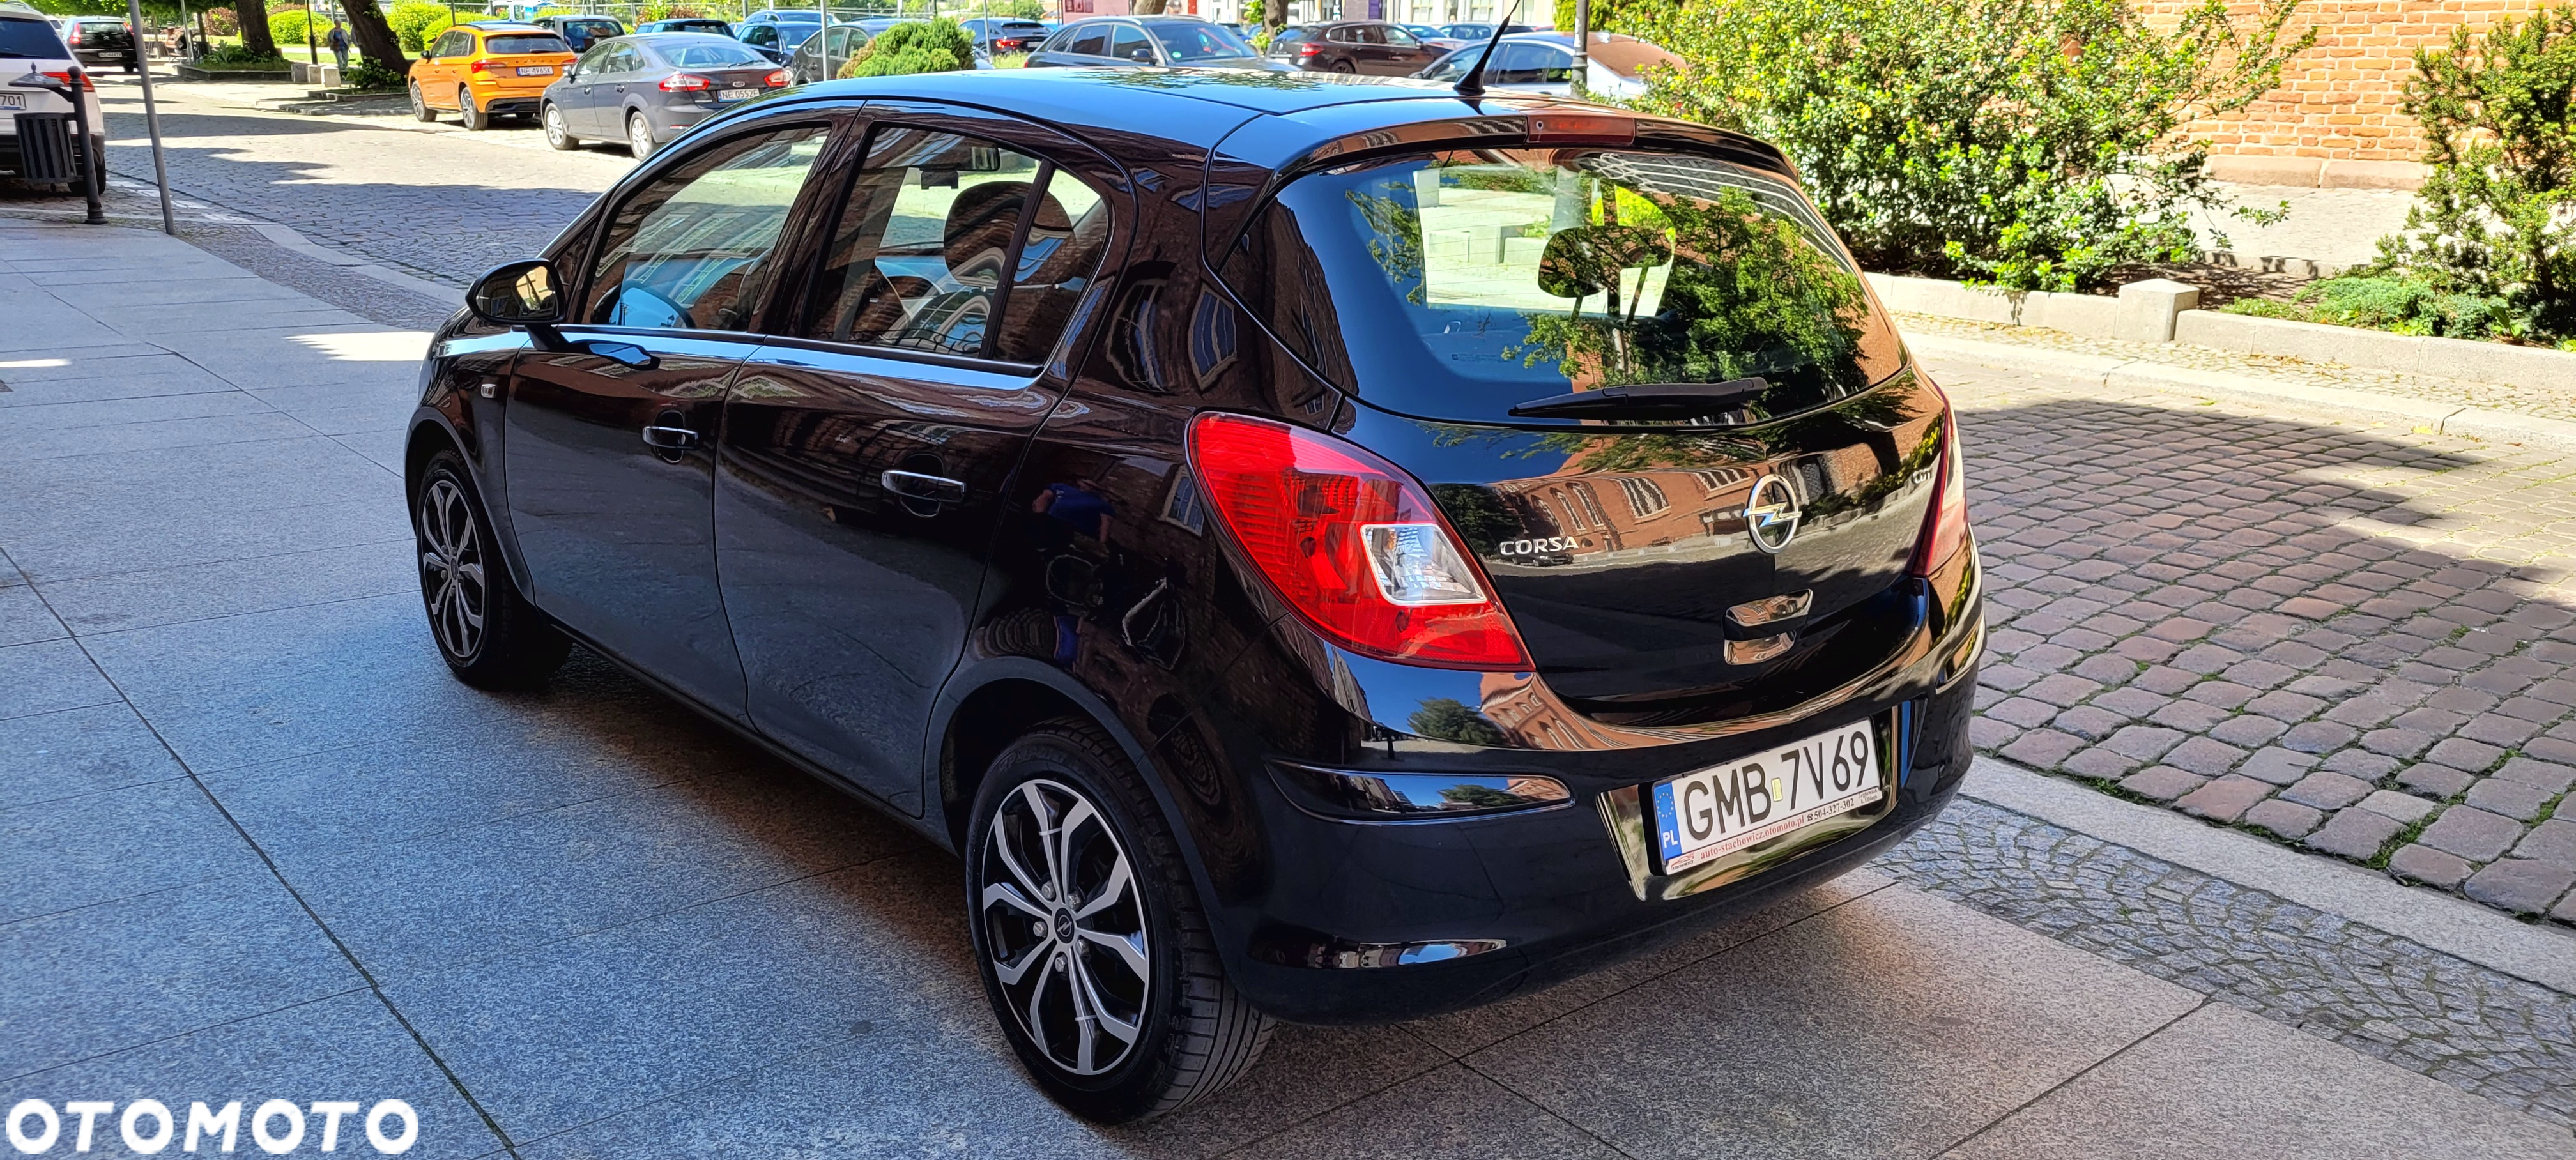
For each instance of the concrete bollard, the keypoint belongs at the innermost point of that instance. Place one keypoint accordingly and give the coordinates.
(2147, 309)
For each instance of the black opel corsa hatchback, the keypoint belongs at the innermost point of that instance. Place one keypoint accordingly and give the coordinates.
(1318, 551)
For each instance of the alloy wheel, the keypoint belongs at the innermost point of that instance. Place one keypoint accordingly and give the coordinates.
(1064, 923)
(639, 137)
(452, 581)
(556, 134)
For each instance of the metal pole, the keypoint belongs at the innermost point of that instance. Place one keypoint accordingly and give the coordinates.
(1582, 47)
(151, 120)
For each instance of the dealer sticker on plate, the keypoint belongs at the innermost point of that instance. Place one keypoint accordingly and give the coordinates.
(1725, 808)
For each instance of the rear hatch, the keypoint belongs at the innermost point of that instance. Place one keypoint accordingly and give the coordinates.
(1646, 386)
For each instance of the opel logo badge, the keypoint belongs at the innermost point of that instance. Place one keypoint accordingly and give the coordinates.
(1771, 514)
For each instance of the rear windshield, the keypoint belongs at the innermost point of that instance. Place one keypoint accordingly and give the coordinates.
(710, 55)
(1189, 42)
(522, 43)
(610, 27)
(1456, 284)
(29, 40)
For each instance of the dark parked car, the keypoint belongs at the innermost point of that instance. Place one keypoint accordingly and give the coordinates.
(100, 40)
(1539, 63)
(1366, 47)
(998, 35)
(1148, 41)
(807, 65)
(1471, 32)
(581, 31)
(651, 87)
(1413, 552)
(776, 33)
(687, 24)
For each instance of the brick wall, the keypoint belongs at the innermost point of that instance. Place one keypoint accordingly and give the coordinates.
(2336, 108)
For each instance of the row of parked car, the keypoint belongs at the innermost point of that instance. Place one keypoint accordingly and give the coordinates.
(586, 78)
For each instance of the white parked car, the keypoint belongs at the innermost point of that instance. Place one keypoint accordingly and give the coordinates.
(29, 44)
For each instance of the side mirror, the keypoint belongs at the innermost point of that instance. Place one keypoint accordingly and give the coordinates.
(518, 294)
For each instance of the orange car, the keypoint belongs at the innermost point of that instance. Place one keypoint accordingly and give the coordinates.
(487, 69)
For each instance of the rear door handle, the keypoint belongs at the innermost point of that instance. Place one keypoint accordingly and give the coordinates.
(935, 488)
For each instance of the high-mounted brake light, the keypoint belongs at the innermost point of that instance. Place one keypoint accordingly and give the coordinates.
(684, 83)
(1581, 129)
(1945, 527)
(1352, 544)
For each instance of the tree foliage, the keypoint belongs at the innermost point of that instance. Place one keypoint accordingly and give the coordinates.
(290, 25)
(410, 17)
(923, 47)
(1449, 719)
(2028, 143)
(2492, 221)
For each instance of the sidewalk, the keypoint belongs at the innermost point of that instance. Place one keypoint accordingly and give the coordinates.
(259, 843)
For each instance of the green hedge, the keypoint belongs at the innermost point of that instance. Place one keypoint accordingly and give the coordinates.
(288, 25)
(409, 17)
(940, 45)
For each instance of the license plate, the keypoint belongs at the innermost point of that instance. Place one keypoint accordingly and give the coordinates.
(1725, 808)
(536, 70)
(737, 94)
(13, 100)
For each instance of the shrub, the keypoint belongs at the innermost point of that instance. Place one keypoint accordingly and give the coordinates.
(927, 47)
(2025, 143)
(220, 22)
(372, 76)
(2492, 219)
(236, 56)
(287, 26)
(2398, 303)
(434, 27)
(408, 18)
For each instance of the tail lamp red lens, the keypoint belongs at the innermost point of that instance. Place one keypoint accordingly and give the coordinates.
(1353, 544)
(66, 76)
(780, 79)
(684, 83)
(1945, 527)
(1310, 49)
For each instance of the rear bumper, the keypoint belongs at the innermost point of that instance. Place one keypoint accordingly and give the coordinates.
(1427, 917)
(1324, 919)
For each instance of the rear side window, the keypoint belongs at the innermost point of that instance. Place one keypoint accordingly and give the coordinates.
(30, 40)
(1456, 284)
(524, 43)
(929, 251)
(1093, 41)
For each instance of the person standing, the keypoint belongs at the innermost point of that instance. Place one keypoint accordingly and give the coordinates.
(339, 43)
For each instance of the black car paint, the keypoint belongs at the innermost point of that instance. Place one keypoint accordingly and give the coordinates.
(1189, 663)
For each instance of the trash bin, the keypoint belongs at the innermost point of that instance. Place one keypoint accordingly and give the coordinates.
(48, 148)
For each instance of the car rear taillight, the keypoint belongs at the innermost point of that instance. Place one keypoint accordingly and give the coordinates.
(1945, 527)
(1352, 544)
(1310, 49)
(479, 66)
(780, 79)
(76, 36)
(66, 77)
(685, 83)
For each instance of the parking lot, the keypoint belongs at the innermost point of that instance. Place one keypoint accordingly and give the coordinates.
(260, 842)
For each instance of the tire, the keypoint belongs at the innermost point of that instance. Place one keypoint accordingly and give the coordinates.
(1065, 783)
(639, 136)
(1344, 67)
(557, 136)
(420, 110)
(511, 645)
(476, 120)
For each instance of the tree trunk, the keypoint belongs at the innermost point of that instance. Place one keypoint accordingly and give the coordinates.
(375, 38)
(1146, 8)
(252, 15)
(1274, 15)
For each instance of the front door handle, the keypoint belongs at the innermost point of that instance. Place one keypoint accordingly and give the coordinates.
(666, 438)
(935, 488)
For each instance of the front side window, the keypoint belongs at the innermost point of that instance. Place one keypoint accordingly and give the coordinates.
(1458, 284)
(692, 250)
(625, 60)
(760, 34)
(596, 60)
(929, 251)
(457, 43)
(1129, 44)
(1187, 43)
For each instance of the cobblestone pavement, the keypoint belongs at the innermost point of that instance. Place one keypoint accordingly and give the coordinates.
(2508, 1040)
(2541, 401)
(2352, 641)
(434, 201)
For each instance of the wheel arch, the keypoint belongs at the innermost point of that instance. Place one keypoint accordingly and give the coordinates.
(983, 710)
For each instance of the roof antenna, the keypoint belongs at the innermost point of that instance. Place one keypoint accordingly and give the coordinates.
(1472, 85)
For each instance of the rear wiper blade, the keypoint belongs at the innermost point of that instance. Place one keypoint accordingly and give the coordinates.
(1647, 399)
